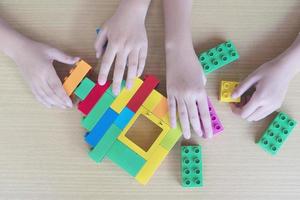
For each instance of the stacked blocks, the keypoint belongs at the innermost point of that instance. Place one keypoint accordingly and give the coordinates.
(107, 118)
(191, 166)
(226, 90)
(218, 57)
(277, 133)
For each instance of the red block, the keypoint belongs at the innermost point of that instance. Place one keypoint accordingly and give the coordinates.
(96, 93)
(142, 93)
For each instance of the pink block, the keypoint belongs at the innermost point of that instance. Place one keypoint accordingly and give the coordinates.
(215, 121)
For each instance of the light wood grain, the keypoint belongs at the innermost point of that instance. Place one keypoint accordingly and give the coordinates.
(43, 154)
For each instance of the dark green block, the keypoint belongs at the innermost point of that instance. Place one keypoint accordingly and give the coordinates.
(84, 88)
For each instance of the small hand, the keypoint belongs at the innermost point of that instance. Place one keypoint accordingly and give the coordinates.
(125, 37)
(186, 88)
(35, 61)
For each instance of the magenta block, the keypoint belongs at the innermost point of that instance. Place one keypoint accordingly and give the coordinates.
(215, 121)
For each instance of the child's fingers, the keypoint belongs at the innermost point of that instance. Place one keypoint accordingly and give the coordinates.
(193, 116)
(250, 107)
(204, 115)
(63, 57)
(245, 85)
(172, 110)
(183, 118)
(120, 65)
(107, 60)
(142, 60)
(260, 113)
(50, 96)
(100, 43)
(132, 67)
(39, 98)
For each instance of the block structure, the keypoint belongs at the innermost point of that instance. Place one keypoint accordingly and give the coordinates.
(218, 57)
(277, 133)
(226, 90)
(191, 166)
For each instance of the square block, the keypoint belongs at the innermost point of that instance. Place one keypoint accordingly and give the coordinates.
(145, 154)
(124, 118)
(162, 109)
(226, 90)
(218, 57)
(191, 166)
(171, 138)
(125, 95)
(277, 133)
(217, 126)
(76, 76)
(152, 100)
(125, 158)
(151, 165)
(84, 88)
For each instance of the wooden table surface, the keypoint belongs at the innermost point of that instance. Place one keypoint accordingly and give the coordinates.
(43, 154)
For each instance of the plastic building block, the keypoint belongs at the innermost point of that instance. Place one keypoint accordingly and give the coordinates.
(89, 102)
(103, 146)
(125, 158)
(124, 118)
(143, 92)
(125, 95)
(217, 126)
(171, 138)
(226, 90)
(84, 88)
(101, 127)
(110, 92)
(152, 100)
(96, 113)
(76, 76)
(162, 108)
(277, 133)
(218, 57)
(151, 165)
(145, 154)
(191, 166)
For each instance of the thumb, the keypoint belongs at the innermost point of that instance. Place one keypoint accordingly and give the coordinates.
(245, 85)
(63, 57)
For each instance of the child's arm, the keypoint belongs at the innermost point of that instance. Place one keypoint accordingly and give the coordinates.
(271, 81)
(35, 60)
(185, 77)
(123, 38)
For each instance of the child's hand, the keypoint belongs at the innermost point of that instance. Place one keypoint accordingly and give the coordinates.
(185, 88)
(123, 38)
(35, 61)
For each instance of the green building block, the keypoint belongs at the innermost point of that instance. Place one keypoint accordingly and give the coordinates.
(191, 166)
(277, 133)
(84, 88)
(96, 113)
(125, 158)
(110, 92)
(218, 57)
(171, 138)
(103, 146)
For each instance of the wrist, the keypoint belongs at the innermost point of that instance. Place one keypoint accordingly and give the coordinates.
(20, 46)
(136, 7)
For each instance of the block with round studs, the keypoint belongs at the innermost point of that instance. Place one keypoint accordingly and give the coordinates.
(217, 126)
(226, 90)
(277, 133)
(218, 57)
(191, 166)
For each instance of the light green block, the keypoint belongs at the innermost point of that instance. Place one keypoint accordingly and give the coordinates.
(171, 138)
(125, 158)
(110, 92)
(103, 146)
(96, 113)
(84, 88)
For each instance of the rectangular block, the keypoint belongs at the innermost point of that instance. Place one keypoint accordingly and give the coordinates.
(152, 100)
(110, 92)
(277, 133)
(162, 109)
(191, 166)
(96, 113)
(151, 165)
(89, 102)
(125, 158)
(93, 137)
(125, 95)
(217, 126)
(76, 76)
(84, 88)
(171, 138)
(226, 90)
(103, 146)
(142, 93)
(124, 118)
(218, 57)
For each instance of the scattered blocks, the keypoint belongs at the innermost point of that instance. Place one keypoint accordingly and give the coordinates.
(84, 88)
(217, 126)
(226, 90)
(218, 57)
(277, 133)
(191, 166)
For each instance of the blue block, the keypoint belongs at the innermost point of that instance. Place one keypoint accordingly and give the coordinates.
(124, 118)
(95, 135)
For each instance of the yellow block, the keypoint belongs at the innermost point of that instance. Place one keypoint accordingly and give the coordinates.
(76, 76)
(137, 149)
(226, 90)
(152, 100)
(151, 165)
(162, 110)
(125, 95)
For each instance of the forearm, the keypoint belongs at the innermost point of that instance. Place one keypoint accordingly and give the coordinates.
(137, 7)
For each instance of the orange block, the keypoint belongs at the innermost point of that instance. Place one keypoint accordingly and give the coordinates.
(76, 76)
(161, 110)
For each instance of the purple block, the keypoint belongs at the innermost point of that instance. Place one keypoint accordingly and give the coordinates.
(215, 121)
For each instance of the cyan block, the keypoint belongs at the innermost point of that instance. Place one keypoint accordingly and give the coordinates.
(123, 118)
(84, 88)
(101, 127)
